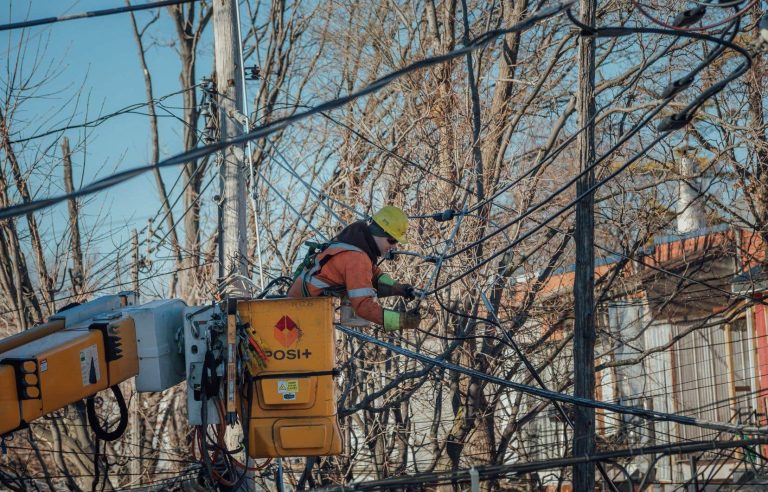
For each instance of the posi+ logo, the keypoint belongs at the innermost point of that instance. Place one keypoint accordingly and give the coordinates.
(286, 331)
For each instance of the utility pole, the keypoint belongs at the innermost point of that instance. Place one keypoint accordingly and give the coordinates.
(135, 264)
(135, 402)
(233, 270)
(584, 296)
(230, 103)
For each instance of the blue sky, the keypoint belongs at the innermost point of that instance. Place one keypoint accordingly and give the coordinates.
(100, 55)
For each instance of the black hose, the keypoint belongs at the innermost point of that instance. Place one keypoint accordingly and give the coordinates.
(207, 464)
(93, 419)
(286, 280)
(96, 456)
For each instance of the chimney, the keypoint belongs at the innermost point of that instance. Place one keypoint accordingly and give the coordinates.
(690, 205)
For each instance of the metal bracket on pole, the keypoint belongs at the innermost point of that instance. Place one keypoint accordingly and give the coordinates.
(239, 117)
(231, 360)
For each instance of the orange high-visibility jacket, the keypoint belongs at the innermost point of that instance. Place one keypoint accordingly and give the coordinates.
(341, 268)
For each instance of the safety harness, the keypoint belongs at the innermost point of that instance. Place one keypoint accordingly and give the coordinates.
(317, 256)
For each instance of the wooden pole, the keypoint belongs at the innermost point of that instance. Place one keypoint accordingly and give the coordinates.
(135, 264)
(230, 104)
(694, 473)
(584, 336)
(233, 267)
(135, 401)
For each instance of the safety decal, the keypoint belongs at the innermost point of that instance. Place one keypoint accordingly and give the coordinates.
(288, 388)
(43, 365)
(287, 331)
(89, 365)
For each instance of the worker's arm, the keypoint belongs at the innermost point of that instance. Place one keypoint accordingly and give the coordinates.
(363, 298)
(357, 280)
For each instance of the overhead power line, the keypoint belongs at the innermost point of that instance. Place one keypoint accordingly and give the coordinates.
(555, 396)
(130, 109)
(498, 471)
(685, 115)
(119, 284)
(689, 110)
(321, 196)
(702, 10)
(92, 13)
(287, 202)
(279, 124)
(667, 125)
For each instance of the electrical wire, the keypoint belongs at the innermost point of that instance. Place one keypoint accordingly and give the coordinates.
(130, 109)
(642, 262)
(392, 153)
(92, 13)
(491, 472)
(169, 482)
(190, 206)
(565, 208)
(552, 395)
(287, 202)
(683, 115)
(318, 194)
(112, 455)
(188, 183)
(641, 8)
(112, 260)
(643, 122)
(551, 155)
(276, 125)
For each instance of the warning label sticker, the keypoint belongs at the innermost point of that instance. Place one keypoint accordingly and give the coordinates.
(89, 365)
(285, 386)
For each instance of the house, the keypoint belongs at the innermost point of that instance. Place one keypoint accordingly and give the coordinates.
(682, 330)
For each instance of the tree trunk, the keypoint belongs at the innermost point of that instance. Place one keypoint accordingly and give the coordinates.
(754, 82)
(14, 275)
(194, 171)
(77, 273)
(170, 222)
(46, 281)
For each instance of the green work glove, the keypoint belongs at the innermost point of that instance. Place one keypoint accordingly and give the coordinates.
(387, 287)
(401, 320)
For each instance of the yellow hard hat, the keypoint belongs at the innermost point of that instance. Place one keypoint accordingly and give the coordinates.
(393, 221)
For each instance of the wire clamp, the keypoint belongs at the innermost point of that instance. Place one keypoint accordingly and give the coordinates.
(584, 29)
(689, 17)
(674, 122)
(474, 477)
(445, 215)
(239, 117)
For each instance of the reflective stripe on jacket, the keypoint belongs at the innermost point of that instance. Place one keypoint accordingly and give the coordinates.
(341, 268)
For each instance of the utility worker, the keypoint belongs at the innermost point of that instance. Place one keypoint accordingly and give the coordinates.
(347, 265)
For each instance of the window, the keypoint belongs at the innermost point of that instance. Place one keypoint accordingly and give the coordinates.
(740, 370)
(712, 375)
